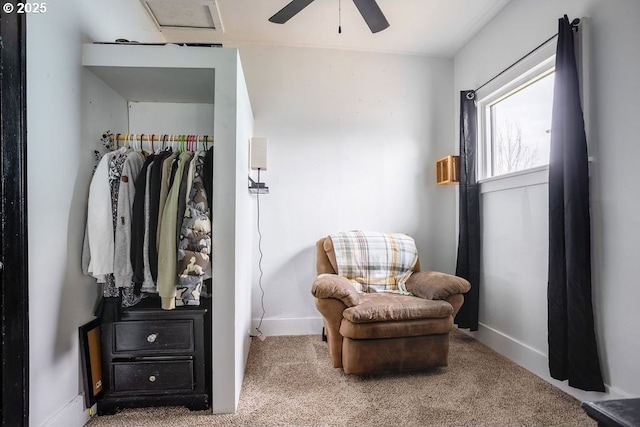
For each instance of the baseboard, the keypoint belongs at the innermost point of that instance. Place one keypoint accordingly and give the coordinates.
(73, 414)
(296, 326)
(536, 362)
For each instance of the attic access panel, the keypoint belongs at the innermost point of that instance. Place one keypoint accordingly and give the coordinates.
(150, 84)
(185, 14)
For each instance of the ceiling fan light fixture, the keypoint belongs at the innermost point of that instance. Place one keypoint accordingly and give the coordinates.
(372, 15)
(289, 11)
(369, 9)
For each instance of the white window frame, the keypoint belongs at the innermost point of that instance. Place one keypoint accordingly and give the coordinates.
(535, 66)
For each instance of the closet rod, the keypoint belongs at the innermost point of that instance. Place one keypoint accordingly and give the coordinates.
(159, 138)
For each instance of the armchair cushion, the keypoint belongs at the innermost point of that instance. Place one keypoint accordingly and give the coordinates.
(380, 307)
(396, 328)
(434, 285)
(334, 286)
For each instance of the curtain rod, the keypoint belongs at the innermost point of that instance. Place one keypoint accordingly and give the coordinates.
(574, 25)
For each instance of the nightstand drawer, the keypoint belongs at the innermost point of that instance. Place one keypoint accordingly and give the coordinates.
(153, 336)
(153, 376)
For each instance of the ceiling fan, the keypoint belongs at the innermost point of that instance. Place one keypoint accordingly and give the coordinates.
(369, 10)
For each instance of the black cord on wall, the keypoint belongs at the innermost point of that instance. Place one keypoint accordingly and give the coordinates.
(260, 335)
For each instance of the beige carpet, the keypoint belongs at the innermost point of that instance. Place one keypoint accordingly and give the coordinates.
(290, 382)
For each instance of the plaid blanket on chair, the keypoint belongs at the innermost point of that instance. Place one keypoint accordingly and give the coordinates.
(375, 262)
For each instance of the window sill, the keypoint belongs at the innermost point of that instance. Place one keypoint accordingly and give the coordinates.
(527, 178)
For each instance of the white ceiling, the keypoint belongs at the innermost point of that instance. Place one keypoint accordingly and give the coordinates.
(423, 27)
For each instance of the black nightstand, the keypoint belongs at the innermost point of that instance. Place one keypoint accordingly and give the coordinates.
(154, 357)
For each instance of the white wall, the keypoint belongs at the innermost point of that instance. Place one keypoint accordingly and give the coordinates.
(59, 164)
(514, 251)
(170, 118)
(60, 161)
(244, 235)
(353, 140)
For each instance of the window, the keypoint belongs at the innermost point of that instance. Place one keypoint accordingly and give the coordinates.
(520, 126)
(515, 118)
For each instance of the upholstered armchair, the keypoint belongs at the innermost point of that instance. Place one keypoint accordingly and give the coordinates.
(398, 330)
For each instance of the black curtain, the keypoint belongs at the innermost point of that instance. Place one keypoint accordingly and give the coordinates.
(573, 352)
(468, 262)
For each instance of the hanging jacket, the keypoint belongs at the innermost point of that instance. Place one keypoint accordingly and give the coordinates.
(155, 184)
(167, 241)
(139, 221)
(194, 246)
(148, 283)
(98, 249)
(122, 269)
(207, 179)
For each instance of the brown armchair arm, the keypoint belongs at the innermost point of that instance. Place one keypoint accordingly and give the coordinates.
(334, 286)
(436, 286)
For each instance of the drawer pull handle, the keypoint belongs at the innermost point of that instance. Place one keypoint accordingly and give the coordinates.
(152, 378)
(152, 337)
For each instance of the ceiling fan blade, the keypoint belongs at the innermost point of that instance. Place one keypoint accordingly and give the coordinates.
(372, 15)
(289, 11)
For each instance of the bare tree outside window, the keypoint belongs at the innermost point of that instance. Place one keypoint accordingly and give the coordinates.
(511, 153)
(519, 124)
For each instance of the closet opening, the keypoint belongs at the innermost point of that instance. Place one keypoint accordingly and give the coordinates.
(173, 94)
